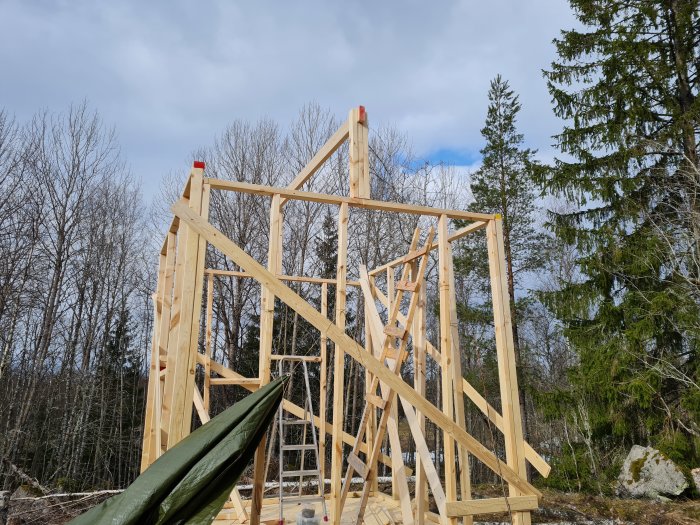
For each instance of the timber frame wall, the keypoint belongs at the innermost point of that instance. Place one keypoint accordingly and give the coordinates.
(172, 392)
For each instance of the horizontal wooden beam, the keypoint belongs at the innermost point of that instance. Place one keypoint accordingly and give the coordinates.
(307, 358)
(365, 358)
(455, 509)
(368, 204)
(290, 278)
(462, 232)
(330, 147)
(240, 381)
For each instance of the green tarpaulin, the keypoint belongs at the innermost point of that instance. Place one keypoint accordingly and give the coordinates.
(191, 482)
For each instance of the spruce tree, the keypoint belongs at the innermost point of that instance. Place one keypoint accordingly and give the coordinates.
(505, 184)
(626, 85)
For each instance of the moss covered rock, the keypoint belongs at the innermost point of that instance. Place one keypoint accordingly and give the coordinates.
(647, 473)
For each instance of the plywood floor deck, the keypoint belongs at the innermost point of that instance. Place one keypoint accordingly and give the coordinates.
(381, 510)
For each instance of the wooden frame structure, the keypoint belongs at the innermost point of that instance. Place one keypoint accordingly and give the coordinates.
(175, 353)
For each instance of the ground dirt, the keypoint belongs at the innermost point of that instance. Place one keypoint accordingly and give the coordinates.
(557, 508)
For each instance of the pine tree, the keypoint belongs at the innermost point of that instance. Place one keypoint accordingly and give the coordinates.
(505, 184)
(626, 85)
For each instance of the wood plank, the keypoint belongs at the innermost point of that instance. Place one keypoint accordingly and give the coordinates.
(450, 463)
(358, 153)
(349, 346)
(455, 371)
(207, 340)
(281, 277)
(491, 505)
(218, 381)
(323, 388)
(368, 204)
(339, 364)
(267, 309)
(505, 352)
(418, 332)
(307, 358)
(322, 155)
(358, 465)
(201, 251)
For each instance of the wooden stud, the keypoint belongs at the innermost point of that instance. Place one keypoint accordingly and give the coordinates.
(359, 154)
(339, 364)
(491, 505)
(323, 388)
(367, 204)
(512, 424)
(418, 331)
(201, 247)
(330, 147)
(267, 313)
(455, 370)
(207, 341)
(447, 363)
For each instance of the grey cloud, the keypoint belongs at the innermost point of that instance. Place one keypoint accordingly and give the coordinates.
(171, 75)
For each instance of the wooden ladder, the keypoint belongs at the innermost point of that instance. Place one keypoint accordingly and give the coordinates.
(393, 356)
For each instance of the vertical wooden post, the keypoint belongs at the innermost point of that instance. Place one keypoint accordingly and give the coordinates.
(359, 153)
(207, 341)
(152, 416)
(200, 246)
(323, 390)
(339, 364)
(418, 332)
(267, 315)
(369, 377)
(182, 359)
(173, 326)
(445, 260)
(457, 384)
(510, 402)
(166, 300)
(391, 295)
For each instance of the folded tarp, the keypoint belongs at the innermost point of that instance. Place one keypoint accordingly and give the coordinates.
(191, 482)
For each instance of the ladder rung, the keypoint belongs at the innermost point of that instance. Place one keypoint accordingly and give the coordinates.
(299, 473)
(295, 421)
(297, 499)
(308, 358)
(299, 447)
(375, 400)
(357, 464)
(407, 286)
(395, 331)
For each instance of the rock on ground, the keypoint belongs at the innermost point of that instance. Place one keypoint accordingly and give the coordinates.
(695, 474)
(647, 473)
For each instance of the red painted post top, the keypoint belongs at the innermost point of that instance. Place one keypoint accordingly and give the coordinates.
(363, 114)
(198, 164)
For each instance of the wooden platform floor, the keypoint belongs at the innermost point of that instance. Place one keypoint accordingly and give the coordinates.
(381, 510)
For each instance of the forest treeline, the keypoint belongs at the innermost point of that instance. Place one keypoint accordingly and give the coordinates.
(602, 246)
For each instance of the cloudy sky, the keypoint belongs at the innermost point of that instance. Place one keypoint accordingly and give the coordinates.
(170, 75)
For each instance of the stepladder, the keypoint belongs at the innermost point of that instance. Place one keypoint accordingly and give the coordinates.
(298, 445)
(379, 397)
